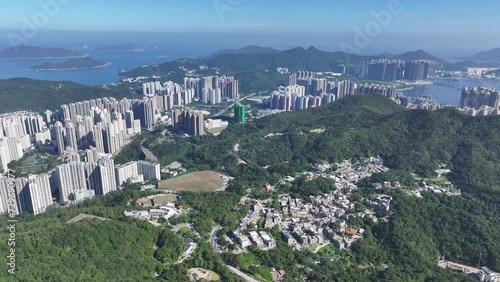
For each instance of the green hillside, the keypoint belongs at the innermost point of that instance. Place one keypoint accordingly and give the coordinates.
(49, 248)
(39, 95)
(410, 142)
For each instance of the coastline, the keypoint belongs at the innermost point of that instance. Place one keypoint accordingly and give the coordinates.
(81, 68)
(45, 58)
(406, 89)
(424, 82)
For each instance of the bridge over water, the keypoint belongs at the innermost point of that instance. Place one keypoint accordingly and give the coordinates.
(451, 85)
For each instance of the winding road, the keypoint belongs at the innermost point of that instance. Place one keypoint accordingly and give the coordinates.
(232, 105)
(217, 249)
(213, 239)
(236, 149)
(149, 155)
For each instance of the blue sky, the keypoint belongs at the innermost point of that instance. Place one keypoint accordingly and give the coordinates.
(254, 15)
(436, 24)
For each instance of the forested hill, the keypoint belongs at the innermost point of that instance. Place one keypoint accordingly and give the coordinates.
(416, 141)
(410, 141)
(39, 95)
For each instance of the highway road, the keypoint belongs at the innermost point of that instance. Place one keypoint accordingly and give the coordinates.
(149, 154)
(232, 105)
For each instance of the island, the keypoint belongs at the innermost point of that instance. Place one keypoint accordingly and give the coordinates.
(72, 64)
(32, 52)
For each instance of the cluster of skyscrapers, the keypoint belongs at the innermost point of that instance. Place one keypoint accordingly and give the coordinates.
(388, 70)
(207, 90)
(74, 180)
(285, 99)
(160, 97)
(16, 130)
(104, 123)
(32, 194)
(136, 172)
(167, 95)
(212, 89)
(98, 126)
(420, 103)
(188, 121)
(300, 75)
(309, 92)
(479, 97)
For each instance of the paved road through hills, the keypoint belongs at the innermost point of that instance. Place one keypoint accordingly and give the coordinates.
(215, 246)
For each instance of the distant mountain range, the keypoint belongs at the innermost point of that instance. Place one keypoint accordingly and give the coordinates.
(255, 67)
(249, 50)
(420, 55)
(32, 52)
(254, 58)
(408, 56)
(488, 56)
(471, 64)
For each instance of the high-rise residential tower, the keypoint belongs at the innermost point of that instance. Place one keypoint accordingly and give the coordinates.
(239, 113)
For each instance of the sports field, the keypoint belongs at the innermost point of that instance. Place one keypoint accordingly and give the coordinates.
(202, 181)
(24, 170)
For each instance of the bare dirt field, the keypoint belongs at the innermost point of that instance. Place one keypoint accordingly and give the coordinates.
(202, 181)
